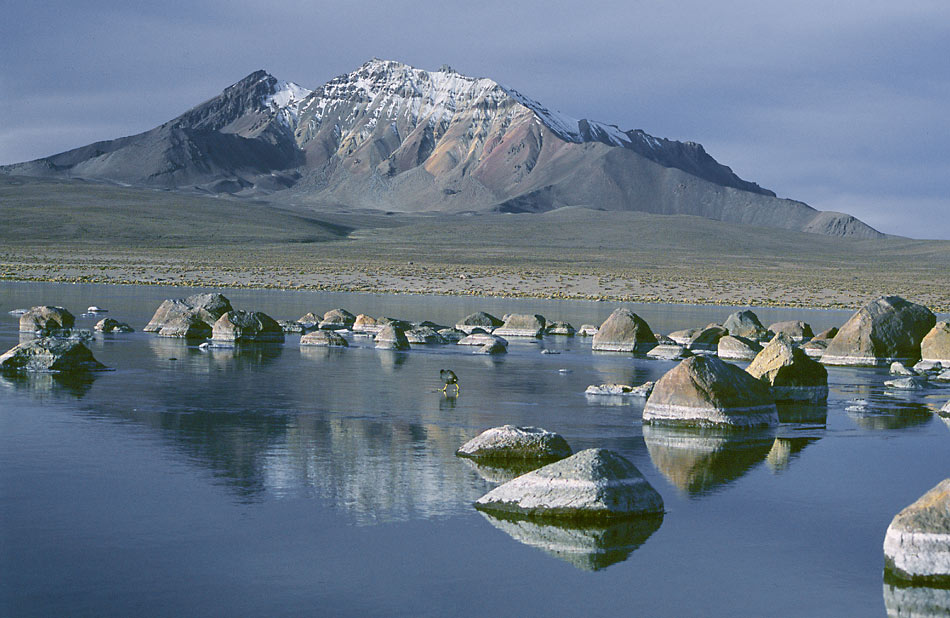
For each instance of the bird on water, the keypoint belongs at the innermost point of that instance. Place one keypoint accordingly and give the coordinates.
(449, 378)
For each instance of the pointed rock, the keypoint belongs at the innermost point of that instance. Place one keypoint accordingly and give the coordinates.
(704, 390)
(624, 331)
(917, 543)
(885, 330)
(337, 319)
(791, 373)
(746, 324)
(591, 485)
(392, 338)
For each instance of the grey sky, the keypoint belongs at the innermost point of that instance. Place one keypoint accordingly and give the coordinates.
(842, 105)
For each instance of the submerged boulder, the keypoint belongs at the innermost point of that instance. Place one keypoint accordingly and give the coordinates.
(337, 319)
(885, 330)
(46, 319)
(796, 330)
(50, 354)
(392, 338)
(704, 390)
(109, 325)
(324, 338)
(737, 348)
(205, 307)
(917, 543)
(791, 373)
(624, 331)
(522, 325)
(935, 346)
(479, 319)
(745, 324)
(559, 328)
(242, 326)
(511, 443)
(591, 485)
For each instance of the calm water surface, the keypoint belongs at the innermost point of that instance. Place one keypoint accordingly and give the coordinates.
(275, 480)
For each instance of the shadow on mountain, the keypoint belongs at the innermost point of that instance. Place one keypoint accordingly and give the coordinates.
(589, 548)
(699, 461)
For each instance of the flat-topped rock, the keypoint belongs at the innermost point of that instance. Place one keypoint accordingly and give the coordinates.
(52, 354)
(935, 346)
(669, 352)
(917, 543)
(324, 338)
(587, 330)
(909, 383)
(731, 347)
(425, 335)
(481, 339)
(479, 319)
(511, 443)
(928, 367)
(594, 484)
(521, 325)
(704, 390)
(796, 330)
(707, 338)
(791, 373)
(392, 338)
(559, 328)
(624, 331)
(337, 319)
(110, 325)
(365, 324)
(206, 307)
(247, 326)
(611, 390)
(746, 324)
(46, 319)
(885, 330)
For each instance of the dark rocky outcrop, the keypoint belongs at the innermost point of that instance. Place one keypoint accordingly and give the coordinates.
(595, 484)
(791, 373)
(707, 338)
(425, 335)
(885, 330)
(704, 390)
(624, 331)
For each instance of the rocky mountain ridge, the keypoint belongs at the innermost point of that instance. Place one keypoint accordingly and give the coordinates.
(391, 137)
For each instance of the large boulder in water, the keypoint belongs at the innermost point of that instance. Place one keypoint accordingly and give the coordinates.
(46, 319)
(337, 319)
(510, 443)
(792, 374)
(796, 330)
(885, 330)
(366, 324)
(324, 338)
(425, 335)
(479, 319)
(917, 543)
(935, 346)
(392, 338)
(594, 484)
(737, 348)
(745, 324)
(205, 307)
(624, 331)
(187, 325)
(704, 390)
(243, 326)
(521, 325)
(707, 338)
(50, 354)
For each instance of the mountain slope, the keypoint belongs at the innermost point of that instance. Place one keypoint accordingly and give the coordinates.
(392, 137)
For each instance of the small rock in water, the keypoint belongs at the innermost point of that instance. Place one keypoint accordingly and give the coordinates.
(495, 347)
(624, 331)
(733, 347)
(611, 389)
(109, 325)
(587, 330)
(559, 328)
(549, 351)
(899, 369)
(591, 485)
(669, 352)
(324, 338)
(917, 543)
(928, 366)
(943, 376)
(392, 338)
(563, 370)
(18, 311)
(510, 443)
(908, 383)
(95, 309)
(522, 325)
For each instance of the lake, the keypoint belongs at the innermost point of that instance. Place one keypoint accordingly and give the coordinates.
(285, 481)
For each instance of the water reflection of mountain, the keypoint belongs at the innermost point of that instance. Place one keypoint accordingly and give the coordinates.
(916, 601)
(700, 461)
(590, 548)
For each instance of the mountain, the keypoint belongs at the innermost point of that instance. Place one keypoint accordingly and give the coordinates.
(395, 138)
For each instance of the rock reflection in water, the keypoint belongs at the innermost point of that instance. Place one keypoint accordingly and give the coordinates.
(498, 474)
(915, 601)
(700, 460)
(802, 413)
(41, 385)
(590, 548)
(876, 414)
(784, 450)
